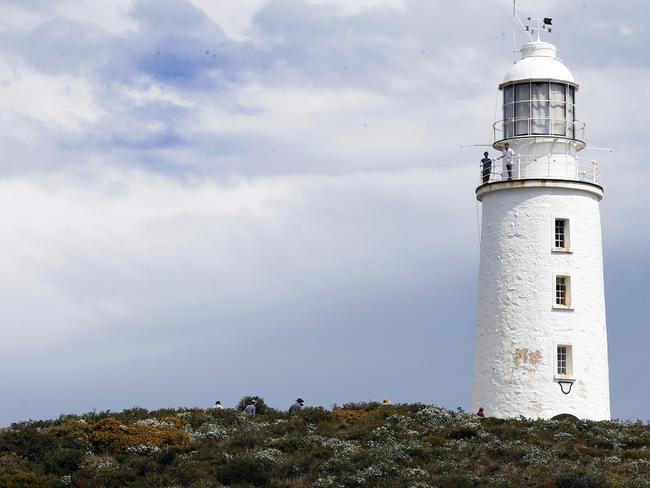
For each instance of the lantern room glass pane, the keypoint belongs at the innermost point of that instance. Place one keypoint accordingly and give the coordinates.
(522, 92)
(558, 108)
(558, 92)
(539, 108)
(508, 111)
(508, 93)
(522, 109)
(571, 112)
(522, 118)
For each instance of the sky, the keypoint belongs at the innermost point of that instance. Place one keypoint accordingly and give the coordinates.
(206, 199)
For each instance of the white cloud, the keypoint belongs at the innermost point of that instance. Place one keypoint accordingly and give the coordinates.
(351, 7)
(111, 16)
(61, 101)
(145, 90)
(16, 19)
(235, 18)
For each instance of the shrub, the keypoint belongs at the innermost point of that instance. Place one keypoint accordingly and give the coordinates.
(23, 480)
(580, 480)
(462, 432)
(360, 445)
(315, 414)
(244, 469)
(112, 436)
(63, 461)
(349, 415)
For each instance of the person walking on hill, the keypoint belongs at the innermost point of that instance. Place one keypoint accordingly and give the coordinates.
(218, 405)
(297, 407)
(250, 408)
(480, 412)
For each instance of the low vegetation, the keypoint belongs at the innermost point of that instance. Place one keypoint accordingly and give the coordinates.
(357, 445)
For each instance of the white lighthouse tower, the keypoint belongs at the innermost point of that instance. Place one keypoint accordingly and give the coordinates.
(541, 340)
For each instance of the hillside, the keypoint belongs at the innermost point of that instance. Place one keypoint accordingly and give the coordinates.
(358, 445)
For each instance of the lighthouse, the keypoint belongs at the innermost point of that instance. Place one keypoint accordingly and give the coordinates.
(541, 339)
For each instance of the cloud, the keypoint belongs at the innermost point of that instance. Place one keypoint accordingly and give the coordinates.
(65, 102)
(130, 265)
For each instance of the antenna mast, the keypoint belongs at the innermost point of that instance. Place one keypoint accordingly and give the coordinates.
(514, 30)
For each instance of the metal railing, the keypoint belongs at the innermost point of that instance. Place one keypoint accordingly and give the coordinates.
(538, 126)
(534, 167)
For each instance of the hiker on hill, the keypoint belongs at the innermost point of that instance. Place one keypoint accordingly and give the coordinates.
(480, 412)
(218, 405)
(250, 408)
(297, 407)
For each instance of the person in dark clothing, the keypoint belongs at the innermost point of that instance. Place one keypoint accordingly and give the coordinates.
(486, 162)
(480, 412)
(297, 407)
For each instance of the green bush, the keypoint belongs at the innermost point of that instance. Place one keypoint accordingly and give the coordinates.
(580, 480)
(23, 480)
(244, 469)
(62, 461)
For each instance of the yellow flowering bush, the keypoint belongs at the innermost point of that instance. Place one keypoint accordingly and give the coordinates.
(349, 415)
(110, 435)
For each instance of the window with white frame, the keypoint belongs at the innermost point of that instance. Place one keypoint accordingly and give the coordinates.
(564, 360)
(562, 291)
(561, 234)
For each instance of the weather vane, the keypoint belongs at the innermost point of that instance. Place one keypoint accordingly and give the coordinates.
(534, 26)
(537, 25)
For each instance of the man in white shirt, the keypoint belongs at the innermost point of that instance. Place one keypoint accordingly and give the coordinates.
(507, 155)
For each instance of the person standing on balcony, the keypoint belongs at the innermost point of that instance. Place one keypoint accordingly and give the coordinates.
(487, 167)
(507, 155)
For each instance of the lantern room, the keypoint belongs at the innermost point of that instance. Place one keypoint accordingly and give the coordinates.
(539, 95)
(539, 108)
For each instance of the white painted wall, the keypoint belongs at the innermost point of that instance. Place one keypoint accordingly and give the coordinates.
(518, 328)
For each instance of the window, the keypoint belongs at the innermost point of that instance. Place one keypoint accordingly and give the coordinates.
(561, 360)
(562, 291)
(538, 108)
(564, 360)
(561, 235)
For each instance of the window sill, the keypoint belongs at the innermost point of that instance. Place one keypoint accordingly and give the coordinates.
(564, 377)
(561, 250)
(568, 308)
